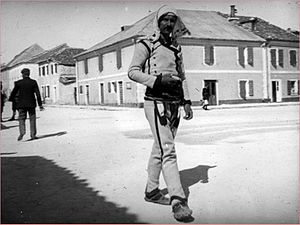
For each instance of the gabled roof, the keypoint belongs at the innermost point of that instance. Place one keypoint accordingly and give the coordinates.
(66, 57)
(264, 29)
(201, 24)
(46, 55)
(62, 54)
(25, 55)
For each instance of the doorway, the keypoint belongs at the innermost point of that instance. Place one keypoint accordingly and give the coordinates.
(276, 91)
(87, 94)
(101, 93)
(212, 88)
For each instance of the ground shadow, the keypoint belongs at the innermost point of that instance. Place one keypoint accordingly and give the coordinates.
(36, 190)
(50, 135)
(3, 127)
(192, 176)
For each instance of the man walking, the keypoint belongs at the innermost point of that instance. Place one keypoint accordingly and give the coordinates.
(28, 92)
(166, 91)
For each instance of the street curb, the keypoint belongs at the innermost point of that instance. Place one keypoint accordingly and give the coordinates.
(121, 108)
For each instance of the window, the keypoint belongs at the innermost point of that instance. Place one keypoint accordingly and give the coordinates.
(80, 89)
(128, 85)
(209, 55)
(246, 88)
(276, 57)
(40, 71)
(55, 67)
(43, 71)
(47, 69)
(293, 87)
(51, 68)
(47, 91)
(293, 58)
(112, 87)
(245, 56)
(86, 68)
(109, 87)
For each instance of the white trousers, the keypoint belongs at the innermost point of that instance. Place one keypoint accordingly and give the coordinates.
(163, 156)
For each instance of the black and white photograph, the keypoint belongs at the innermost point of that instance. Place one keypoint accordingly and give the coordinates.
(149, 112)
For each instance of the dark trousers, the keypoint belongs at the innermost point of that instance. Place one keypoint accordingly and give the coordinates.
(32, 119)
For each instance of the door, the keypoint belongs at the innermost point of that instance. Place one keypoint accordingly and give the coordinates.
(75, 96)
(101, 93)
(212, 89)
(276, 91)
(87, 94)
(54, 94)
(121, 94)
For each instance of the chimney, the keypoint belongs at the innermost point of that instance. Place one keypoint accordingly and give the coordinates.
(125, 27)
(233, 11)
(250, 23)
(232, 17)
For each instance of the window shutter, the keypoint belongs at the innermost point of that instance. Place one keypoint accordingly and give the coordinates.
(280, 56)
(293, 60)
(250, 56)
(273, 57)
(251, 88)
(86, 69)
(241, 56)
(209, 55)
(289, 87)
(243, 89)
(298, 83)
(119, 58)
(100, 62)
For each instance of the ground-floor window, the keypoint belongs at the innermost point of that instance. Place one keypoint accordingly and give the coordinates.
(80, 89)
(293, 87)
(246, 88)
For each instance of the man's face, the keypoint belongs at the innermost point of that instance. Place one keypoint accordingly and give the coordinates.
(166, 24)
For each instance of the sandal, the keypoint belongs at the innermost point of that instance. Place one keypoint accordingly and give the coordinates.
(157, 196)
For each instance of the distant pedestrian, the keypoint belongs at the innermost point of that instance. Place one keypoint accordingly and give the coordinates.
(14, 106)
(3, 99)
(205, 97)
(28, 92)
(166, 91)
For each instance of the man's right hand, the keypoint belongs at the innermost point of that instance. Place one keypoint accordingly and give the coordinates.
(42, 108)
(167, 83)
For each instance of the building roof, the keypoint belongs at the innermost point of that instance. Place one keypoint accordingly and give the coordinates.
(201, 24)
(62, 54)
(264, 29)
(25, 55)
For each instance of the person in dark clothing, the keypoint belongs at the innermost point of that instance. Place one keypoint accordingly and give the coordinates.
(14, 107)
(3, 98)
(29, 93)
(205, 97)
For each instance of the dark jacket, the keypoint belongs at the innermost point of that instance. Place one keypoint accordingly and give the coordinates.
(28, 92)
(205, 93)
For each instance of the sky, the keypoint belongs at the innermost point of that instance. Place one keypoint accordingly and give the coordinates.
(83, 24)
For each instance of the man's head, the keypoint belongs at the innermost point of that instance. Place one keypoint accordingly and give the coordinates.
(166, 23)
(25, 72)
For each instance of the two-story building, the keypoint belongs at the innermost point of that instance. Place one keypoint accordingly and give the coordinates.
(236, 62)
(56, 74)
(11, 72)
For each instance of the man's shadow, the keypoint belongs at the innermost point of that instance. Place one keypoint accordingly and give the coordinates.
(192, 176)
(49, 135)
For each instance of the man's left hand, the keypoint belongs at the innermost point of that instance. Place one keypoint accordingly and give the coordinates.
(188, 112)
